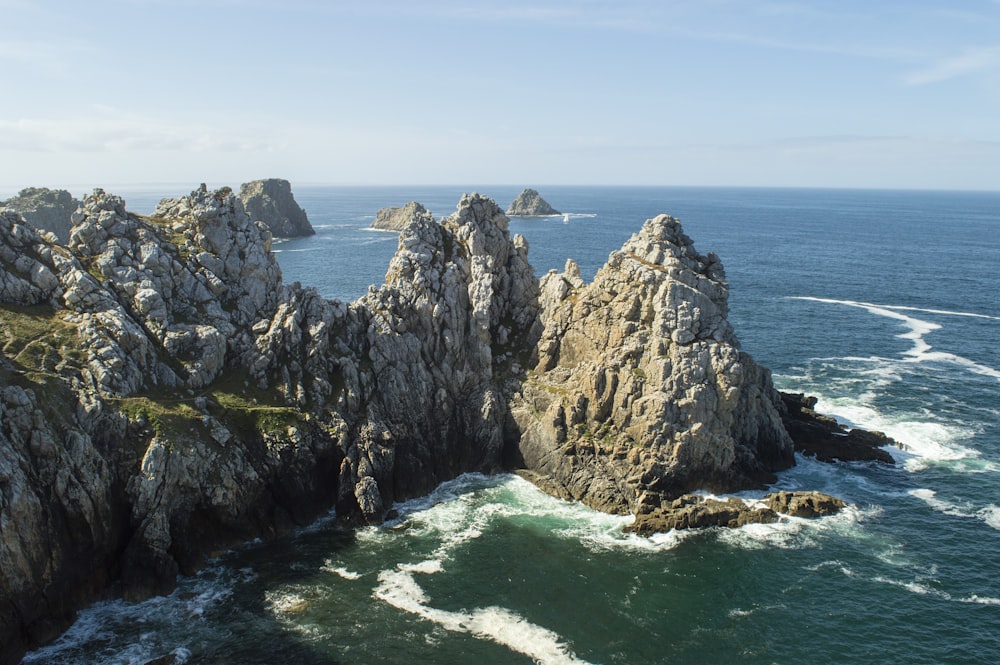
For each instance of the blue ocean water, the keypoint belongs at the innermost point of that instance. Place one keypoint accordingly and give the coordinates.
(884, 304)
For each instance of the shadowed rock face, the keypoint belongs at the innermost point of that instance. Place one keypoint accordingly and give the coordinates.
(271, 201)
(163, 393)
(530, 203)
(45, 209)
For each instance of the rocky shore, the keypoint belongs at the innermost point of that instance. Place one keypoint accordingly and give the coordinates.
(163, 393)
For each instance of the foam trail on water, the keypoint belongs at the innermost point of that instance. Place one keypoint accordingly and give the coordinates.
(918, 328)
(399, 589)
(990, 514)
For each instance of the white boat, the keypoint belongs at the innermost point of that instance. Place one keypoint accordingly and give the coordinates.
(566, 218)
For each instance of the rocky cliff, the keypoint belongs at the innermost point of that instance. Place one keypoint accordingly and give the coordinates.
(45, 209)
(640, 385)
(164, 393)
(271, 201)
(397, 219)
(530, 203)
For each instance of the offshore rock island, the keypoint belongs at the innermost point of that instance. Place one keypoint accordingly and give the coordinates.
(164, 394)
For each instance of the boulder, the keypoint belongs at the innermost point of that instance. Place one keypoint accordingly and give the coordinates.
(529, 203)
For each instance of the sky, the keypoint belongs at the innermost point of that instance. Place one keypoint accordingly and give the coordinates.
(797, 93)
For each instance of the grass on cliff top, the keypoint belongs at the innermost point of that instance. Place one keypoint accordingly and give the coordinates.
(244, 408)
(40, 350)
(232, 399)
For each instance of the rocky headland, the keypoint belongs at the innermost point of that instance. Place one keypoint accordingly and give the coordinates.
(271, 201)
(45, 209)
(397, 219)
(530, 203)
(163, 393)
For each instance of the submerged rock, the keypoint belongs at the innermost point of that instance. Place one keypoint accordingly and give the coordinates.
(45, 209)
(271, 201)
(530, 203)
(397, 219)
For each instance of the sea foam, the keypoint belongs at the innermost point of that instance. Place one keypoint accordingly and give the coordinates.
(399, 589)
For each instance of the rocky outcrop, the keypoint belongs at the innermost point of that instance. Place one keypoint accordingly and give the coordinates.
(165, 393)
(640, 385)
(822, 437)
(45, 209)
(692, 511)
(529, 203)
(397, 219)
(271, 201)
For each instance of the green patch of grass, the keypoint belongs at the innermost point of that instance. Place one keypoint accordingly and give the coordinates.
(246, 409)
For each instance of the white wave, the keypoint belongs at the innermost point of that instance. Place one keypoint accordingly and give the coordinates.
(980, 600)
(918, 329)
(428, 567)
(285, 602)
(924, 441)
(990, 514)
(399, 589)
(796, 532)
(920, 588)
(328, 567)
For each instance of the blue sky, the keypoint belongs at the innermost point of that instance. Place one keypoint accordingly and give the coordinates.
(849, 93)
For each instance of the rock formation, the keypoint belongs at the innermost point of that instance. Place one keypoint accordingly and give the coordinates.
(691, 511)
(640, 385)
(163, 393)
(271, 202)
(529, 203)
(396, 219)
(825, 439)
(45, 209)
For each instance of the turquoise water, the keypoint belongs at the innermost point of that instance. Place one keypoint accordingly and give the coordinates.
(883, 304)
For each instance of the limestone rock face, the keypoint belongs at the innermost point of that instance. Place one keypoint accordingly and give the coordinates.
(397, 219)
(271, 201)
(640, 384)
(529, 203)
(45, 209)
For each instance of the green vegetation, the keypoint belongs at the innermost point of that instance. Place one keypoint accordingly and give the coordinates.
(245, 409)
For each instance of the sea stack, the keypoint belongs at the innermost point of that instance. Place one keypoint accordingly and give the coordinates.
(271, 202)
(530, 203)
(45, 209)
(397, 219)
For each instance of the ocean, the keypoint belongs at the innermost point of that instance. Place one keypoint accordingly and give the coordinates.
(883, 304)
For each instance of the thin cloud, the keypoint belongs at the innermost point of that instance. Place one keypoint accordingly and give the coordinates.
(972, 60)
(108, 131)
